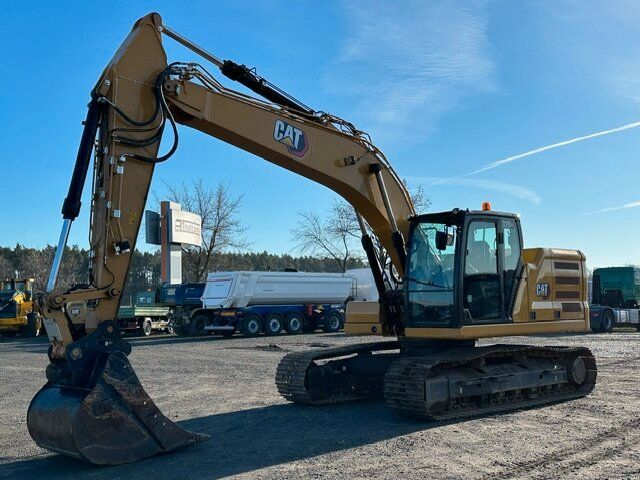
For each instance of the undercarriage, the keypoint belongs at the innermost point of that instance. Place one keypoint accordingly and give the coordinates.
(438, 380)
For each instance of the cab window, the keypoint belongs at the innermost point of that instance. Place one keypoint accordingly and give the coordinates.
(512, 249)
(481, 290)
(481, 249)
(512, 246)
(430, 276)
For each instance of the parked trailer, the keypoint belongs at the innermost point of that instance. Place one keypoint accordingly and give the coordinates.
(616, 298)
(364, 287)
(270, 302)
(144, 315)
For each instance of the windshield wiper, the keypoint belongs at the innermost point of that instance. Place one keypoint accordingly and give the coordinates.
(429, 283)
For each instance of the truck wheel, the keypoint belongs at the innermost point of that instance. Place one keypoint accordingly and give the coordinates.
(196, 327)
(147, 327)
(273, 324)
(33, 326)
(293, 324)
(332, 322)
(607, 321)
(181, 331)
(252, 326)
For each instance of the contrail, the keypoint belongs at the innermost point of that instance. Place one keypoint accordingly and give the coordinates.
(613, 209)
(493, 165)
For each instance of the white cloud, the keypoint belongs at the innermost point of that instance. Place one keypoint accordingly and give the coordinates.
(613, 209)
(518, 191)
(407, 63)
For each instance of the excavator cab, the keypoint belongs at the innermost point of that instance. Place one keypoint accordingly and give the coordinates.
(461, 268)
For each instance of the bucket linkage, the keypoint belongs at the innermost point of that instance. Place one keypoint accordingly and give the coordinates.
(94, 408)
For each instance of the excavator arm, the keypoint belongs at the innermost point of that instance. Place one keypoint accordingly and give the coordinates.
(137, 98)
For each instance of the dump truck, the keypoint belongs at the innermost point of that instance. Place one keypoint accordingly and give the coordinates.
(616, 298)
(186, 298)
(143, 315)
(16, 308)
(253, 302)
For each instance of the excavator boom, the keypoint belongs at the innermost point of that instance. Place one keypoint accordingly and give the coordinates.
(93, 406)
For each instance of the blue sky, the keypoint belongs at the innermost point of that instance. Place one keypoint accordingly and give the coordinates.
(444, 88)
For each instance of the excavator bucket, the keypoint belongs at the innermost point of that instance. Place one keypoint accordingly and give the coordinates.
(113, 422)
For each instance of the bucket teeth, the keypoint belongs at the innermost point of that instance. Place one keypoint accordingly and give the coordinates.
(112, 423)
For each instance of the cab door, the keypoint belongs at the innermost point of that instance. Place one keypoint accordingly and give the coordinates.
(509, 260)
(482, 284)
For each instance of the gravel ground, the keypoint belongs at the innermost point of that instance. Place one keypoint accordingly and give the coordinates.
(225, 388)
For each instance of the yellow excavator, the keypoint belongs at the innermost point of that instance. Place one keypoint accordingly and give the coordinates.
(457, 276)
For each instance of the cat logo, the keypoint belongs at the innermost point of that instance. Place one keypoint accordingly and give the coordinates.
(542, 290)
(294, 138)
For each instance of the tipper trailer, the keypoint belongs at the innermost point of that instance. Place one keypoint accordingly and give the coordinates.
(268, 302)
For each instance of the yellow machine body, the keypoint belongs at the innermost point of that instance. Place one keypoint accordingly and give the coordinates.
(16, 303)
(550, 297)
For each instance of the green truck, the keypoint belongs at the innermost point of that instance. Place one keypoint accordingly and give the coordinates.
(616, 298)
(143, 315)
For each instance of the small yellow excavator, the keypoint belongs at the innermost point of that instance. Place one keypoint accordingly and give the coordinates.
(16, 308)
(458, 276)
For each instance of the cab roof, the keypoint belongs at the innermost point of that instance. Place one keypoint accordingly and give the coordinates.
(457, 215)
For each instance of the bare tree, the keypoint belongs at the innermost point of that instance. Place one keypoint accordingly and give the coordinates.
(420, 203)
(339, 233)
(222, 228)
(333, 237)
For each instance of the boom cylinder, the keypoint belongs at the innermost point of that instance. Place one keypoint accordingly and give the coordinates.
(374, 263)
(247, 77)
(396, 236)
(57, 259)
(71, 205)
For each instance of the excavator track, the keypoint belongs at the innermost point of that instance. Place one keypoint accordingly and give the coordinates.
(301, 379)
(478, 381)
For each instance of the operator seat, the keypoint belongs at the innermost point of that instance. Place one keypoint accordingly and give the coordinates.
(481, 281)
(478, 257)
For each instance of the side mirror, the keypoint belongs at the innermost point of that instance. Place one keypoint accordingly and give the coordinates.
(443, 240)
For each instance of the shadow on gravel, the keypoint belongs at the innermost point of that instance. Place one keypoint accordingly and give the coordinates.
(175, 339)
(41, 343)
(242, 442)
(29, 345)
